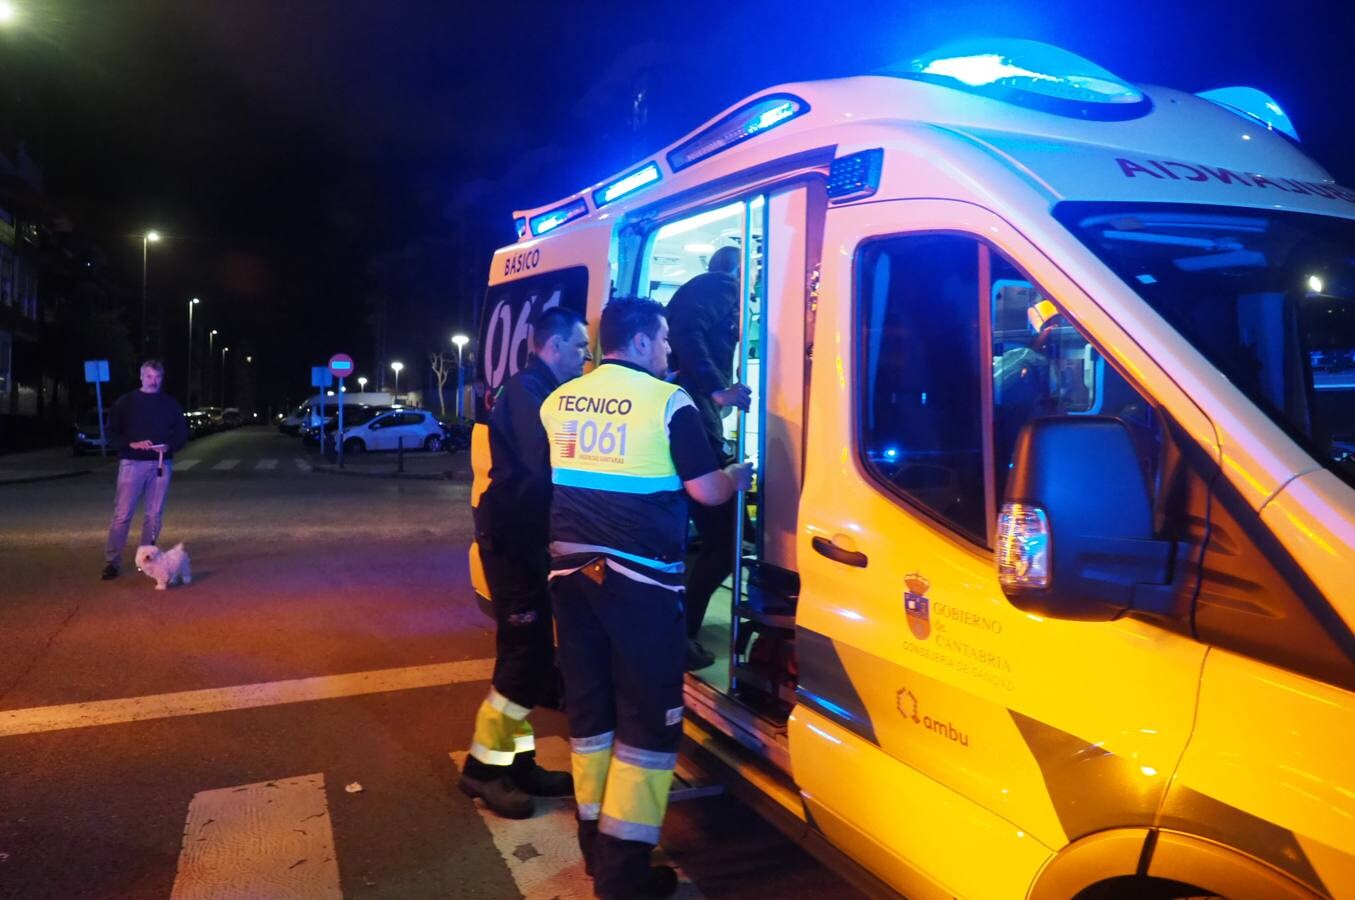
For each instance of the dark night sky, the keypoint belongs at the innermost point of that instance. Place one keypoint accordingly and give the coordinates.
(281, 144)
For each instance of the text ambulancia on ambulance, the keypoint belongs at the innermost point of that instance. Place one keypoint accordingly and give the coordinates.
(1054, 423)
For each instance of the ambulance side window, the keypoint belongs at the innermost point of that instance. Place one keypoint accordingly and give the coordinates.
(1044, 366)
(920, 422)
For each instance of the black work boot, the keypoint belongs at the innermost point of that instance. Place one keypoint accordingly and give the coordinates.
(110, 572)
(540, 782)
(495, 787)
(588, 839)
(624, 872)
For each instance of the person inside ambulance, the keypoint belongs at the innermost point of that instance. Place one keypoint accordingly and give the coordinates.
(627, 451)
(704, 318)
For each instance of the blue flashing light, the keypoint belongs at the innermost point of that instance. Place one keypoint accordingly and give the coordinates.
(891, 452)
(746, 122)
(627, 184)
(857, 175)
(1033, 74)
(552, 219)
(1258, 106)
(520, 226)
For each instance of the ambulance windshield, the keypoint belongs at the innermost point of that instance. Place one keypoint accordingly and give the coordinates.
(1268, 297)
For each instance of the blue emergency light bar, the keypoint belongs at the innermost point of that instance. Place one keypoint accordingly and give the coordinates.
(552, 219)
(1258, 106)
(627, 184)
(520, 226)
(1033, 74)
(746, 122)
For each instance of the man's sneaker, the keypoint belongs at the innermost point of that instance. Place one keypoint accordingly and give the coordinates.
(541, 782)
(499, 794)
(698, 657)
(110, 572)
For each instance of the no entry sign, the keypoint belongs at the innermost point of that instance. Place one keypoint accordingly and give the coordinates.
(341, 365)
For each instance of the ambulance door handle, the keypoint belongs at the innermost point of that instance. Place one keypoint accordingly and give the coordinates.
(831, 550)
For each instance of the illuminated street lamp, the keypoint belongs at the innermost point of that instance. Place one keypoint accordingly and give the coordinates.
(147, 239)
(8, 14)
(188, 394)
(362, 384)
(461, 341)
(396, 367)
(224, 351)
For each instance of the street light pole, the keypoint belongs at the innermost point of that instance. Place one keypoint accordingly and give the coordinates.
(207, 369)
(188, 394)
(148, 238)
(396, 367)
(460, 340)
(224, 351)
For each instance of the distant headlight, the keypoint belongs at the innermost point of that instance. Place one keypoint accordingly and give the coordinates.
(80, 436)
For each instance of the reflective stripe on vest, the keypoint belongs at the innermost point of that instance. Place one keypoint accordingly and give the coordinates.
(608, 431)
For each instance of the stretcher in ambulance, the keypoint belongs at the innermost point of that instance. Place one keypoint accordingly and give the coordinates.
(1046, 587)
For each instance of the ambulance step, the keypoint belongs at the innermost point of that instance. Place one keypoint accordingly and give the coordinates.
(690, 783)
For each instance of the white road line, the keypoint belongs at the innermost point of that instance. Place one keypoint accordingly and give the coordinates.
(271, 839)
(183, 465)
(266, 464)
(301, 464)
(225, 465)
(245, 696)
(542, 853)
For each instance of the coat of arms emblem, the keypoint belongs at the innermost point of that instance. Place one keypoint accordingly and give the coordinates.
(917, 606)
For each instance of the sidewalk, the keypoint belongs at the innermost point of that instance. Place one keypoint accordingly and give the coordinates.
(46, 465)
(420, 465)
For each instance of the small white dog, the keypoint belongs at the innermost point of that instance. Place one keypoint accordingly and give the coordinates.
(166, 567)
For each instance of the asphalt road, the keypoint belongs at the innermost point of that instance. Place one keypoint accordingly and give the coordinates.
(162, 744)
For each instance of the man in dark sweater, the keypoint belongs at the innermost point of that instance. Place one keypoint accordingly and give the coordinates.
(512, 533)
(146, 427)
(704, 321)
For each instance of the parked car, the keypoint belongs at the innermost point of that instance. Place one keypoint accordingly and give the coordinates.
(414, 429)
(231, 417)
(456, 434)
(199, 423)
(86, 433)
(352, 417)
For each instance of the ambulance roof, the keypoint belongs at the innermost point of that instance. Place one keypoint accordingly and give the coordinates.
(1080, 132)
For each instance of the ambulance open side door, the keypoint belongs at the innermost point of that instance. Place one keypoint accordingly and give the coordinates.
(929, 706)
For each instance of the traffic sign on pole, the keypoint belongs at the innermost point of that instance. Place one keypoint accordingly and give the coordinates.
(341, 365)
(96, 371)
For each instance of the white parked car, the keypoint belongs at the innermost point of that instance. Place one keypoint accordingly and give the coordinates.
(414, 429)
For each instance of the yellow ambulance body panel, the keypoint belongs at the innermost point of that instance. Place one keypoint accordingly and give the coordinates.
(1043, 590)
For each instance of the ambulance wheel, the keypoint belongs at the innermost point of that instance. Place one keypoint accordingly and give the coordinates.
(433, 444)
(1131, 887)
(354, 445)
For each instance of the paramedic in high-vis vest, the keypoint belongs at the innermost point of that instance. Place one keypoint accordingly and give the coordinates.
(511, 530)
(627, 450)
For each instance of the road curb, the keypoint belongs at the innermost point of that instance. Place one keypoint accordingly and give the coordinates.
(56, 476)
(414, 476)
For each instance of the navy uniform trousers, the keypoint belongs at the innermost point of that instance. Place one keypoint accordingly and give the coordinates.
(622, 649)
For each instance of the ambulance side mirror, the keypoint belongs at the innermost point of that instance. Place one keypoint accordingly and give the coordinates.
(1075, 534)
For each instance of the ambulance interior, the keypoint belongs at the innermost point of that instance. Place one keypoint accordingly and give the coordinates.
(751, 638)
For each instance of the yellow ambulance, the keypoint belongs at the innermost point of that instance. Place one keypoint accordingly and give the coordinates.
(1047, 586)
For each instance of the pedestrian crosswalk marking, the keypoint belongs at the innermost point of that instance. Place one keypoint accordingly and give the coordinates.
(270, 839)
(266, 464)
(183, 465)
(542, 853)
(225, 465)
(245, 696)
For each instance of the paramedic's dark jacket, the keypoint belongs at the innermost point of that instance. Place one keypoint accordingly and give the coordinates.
(703, 330)
(516, 505)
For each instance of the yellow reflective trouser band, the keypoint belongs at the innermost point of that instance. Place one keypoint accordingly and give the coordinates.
(501, 731)
(590, 758)
(636, 797)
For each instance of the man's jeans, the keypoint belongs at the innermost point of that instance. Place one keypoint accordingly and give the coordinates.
(137, 478)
